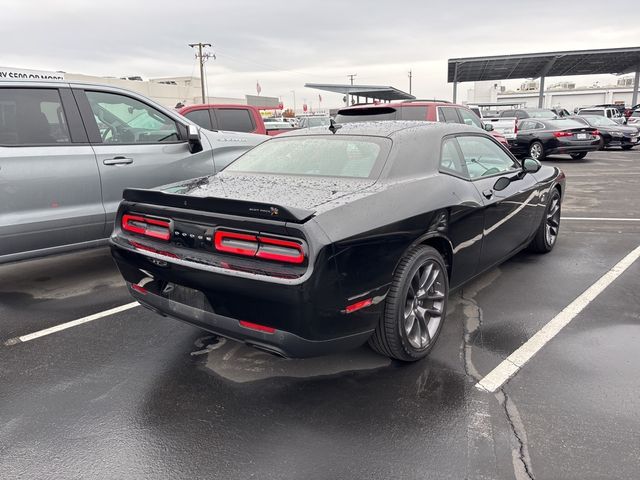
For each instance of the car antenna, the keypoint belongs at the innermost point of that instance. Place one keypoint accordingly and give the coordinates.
(333, 126)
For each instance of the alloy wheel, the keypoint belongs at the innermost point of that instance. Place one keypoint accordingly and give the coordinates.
(424, 304)
(553, 220)
(535, 151)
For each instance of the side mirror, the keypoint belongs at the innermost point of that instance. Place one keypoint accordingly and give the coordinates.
(529, 165)
(488, 127)
(501, 183)
(193, 139)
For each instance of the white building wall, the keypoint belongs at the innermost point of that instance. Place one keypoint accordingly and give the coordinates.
(571, 99)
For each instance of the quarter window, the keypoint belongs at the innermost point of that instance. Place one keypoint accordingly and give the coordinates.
(450, 160)
(482, 157)
(125, 120)
(32, 116)
(234, 119)
(448, 115)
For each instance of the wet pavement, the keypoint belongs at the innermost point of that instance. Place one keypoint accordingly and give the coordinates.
(135, 395)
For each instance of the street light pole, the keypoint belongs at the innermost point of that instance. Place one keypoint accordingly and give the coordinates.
(202, 58)
(294, 102)
(410, 77)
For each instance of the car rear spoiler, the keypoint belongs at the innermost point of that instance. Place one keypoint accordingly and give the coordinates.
(228, 206)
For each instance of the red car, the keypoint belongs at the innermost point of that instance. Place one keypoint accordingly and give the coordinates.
(232, 118)
(429, 110)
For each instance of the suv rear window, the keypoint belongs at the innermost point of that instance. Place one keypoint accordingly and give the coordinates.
(318, 155)
(32, 116)
(234, 120)
(369, 114)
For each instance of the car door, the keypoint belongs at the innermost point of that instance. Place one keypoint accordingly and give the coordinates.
(509, 212)
(524, 137)
(49, 181)
(137, 145)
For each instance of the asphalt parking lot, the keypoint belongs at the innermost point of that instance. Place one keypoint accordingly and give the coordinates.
(135, 395)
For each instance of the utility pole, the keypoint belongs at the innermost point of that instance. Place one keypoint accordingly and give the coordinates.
(346, 97)
(410, 75)
(202, 57)
(294, 102)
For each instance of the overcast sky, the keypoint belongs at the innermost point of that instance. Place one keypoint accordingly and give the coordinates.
(284, 44)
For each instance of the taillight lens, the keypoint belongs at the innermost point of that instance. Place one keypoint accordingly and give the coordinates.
(562, 134)
(238, 243)
(149, 227)
(267, 248)
(595, 132)
(280, 250)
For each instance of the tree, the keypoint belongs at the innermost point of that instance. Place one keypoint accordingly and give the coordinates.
(288, 113)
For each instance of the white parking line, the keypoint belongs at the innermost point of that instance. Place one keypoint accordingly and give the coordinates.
(72, 323)
(602, 219)
(514, 362)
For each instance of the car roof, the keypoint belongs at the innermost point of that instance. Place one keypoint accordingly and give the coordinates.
(388, 128)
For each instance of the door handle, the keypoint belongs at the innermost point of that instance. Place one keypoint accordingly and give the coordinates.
(118, 161)
(488, 194)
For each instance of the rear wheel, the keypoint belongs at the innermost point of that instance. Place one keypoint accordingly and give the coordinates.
(578, 156)
(536, 151)
(415, 307)
(547, 232)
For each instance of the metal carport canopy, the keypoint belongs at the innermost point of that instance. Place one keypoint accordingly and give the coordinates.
(552, 64)
(541, 65)
(379, 92)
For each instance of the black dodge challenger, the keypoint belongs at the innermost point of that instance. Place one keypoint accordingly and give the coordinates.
(320, 240)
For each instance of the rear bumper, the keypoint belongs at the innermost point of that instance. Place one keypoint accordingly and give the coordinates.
(299, 320)
(574, 147)
(285, 344)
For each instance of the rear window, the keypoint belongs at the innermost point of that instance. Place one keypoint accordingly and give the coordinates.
(366, 114)
(541, 114)
(234, 120)
(32, 116)
(325, 156)
(560, 124)
(592, 112)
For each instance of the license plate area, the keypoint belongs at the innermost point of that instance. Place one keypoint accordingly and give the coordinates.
(186, 296)
(581, 136)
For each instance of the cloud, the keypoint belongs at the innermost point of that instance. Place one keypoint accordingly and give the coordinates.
(285, 44)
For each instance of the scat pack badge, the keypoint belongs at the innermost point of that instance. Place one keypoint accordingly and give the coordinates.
(272, 212)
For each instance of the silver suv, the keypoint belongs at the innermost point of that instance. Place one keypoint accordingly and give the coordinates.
(68, 150)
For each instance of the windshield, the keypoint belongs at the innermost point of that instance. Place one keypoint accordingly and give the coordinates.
(596, 121)
(565, 124)
(327, 156)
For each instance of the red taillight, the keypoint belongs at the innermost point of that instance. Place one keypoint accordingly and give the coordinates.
(515, 128)
(267, 248)
(595, 132)
(139, 289)
(259, 328)
(358, 305)
(562, 134)
(238, 243)
(149, 227)
(280, 250)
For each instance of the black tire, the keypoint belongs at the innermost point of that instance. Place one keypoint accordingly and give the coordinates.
(533, 151)
(543, 242)
(627, 147)
(390, 337)
(578, 156)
